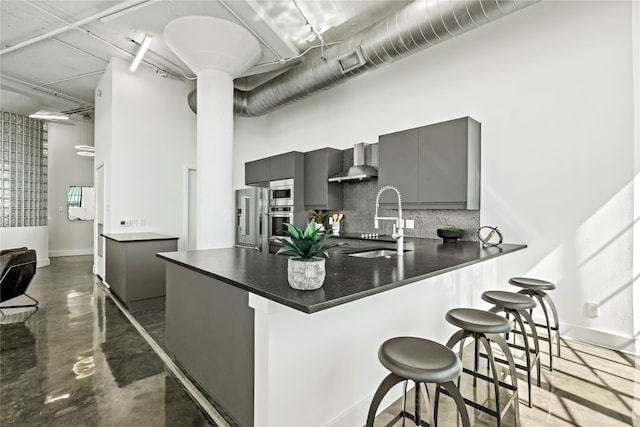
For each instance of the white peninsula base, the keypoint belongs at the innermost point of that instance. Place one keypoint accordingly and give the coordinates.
(322, 369)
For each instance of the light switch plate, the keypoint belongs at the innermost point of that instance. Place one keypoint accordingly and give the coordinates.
(593, 309)
(410, 223)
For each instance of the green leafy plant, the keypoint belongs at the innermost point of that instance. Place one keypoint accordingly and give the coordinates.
(306, 244)
(450, 228)
(319, 216)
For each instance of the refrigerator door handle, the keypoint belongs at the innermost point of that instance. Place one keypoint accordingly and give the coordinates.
(245, 216)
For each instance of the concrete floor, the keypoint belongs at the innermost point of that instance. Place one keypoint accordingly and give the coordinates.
(78, 361)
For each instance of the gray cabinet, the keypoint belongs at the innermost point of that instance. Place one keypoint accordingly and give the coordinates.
(434, 167)
(256, 172)
(319, 193)
(449, 173)
(398, 154)
(281, 166)
(132, 269)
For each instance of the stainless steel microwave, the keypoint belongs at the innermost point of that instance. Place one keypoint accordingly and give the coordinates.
(281, 193)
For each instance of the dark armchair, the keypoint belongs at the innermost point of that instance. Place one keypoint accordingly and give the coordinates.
(17, 268)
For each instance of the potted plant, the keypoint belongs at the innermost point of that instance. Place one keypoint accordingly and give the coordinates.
(319, 216)
(306, 270)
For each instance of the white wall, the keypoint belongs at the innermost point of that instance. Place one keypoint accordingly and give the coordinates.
(32, 237)
(149, 138)
(66, 169)
(552, 86)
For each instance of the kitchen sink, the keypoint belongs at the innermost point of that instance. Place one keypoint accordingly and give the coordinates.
(375, 253)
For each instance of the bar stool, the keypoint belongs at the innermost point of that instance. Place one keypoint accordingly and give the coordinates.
(423, 362)
(536, 288)
(483, 326)
(518, 305)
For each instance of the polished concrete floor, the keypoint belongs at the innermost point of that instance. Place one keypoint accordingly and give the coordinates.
(78, 361)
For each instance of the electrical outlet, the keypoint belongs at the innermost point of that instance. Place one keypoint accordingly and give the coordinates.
(593, 309)
(125, 223)
(410, 223)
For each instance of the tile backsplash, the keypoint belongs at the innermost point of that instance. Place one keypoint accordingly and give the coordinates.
(359, 209)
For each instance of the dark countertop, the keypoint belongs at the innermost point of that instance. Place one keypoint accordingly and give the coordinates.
(137, 237)
(348, 278)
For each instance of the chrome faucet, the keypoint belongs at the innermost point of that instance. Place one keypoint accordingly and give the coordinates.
(397, 234)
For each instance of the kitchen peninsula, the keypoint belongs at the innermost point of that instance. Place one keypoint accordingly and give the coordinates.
(274, 356)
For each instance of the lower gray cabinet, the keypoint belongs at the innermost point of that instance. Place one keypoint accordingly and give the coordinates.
(434, 167)
(132, 269)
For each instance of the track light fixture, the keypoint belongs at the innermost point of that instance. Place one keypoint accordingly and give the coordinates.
(143, 49)
(48, 117)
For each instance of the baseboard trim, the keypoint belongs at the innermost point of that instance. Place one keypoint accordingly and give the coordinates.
(71, 252)
(600, 338)
(43, 262)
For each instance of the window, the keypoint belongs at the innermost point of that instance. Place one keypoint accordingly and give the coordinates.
(74, 197)
(23, 171)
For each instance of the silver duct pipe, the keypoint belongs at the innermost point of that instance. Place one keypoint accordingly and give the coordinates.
(417, 26)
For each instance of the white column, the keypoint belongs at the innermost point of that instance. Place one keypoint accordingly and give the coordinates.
(214, 159)
(216, 50)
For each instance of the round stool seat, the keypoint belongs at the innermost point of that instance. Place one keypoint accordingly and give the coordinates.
(419, 359)
(509, 300)
(474, 320)
(533, 284)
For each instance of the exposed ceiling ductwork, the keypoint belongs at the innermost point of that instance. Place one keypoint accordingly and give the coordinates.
(421, 24)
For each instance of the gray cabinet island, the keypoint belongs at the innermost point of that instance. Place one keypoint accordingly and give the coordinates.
(132, 270)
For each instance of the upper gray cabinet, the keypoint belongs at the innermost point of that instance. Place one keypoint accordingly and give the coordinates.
(256, 172)
(433, 167)
(398, 166)
(319, 165)
(282, 166)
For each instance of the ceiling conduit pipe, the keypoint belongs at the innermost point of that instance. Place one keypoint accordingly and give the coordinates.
(74, 25)
(417, 26)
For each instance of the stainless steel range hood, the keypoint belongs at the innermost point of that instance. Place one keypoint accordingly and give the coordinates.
(362, 169)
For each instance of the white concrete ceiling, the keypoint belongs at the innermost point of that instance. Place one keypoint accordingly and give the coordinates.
(53, 53)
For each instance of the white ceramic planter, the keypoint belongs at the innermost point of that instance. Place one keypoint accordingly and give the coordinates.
(306, 275)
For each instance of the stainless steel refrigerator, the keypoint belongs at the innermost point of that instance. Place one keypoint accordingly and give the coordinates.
(251, 226)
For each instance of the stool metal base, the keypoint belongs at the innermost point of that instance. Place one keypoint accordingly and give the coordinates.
(392, 379)
(532, 355)
(553, 331)
(498, 413)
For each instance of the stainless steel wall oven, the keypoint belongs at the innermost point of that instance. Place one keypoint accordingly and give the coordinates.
(279, 217)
